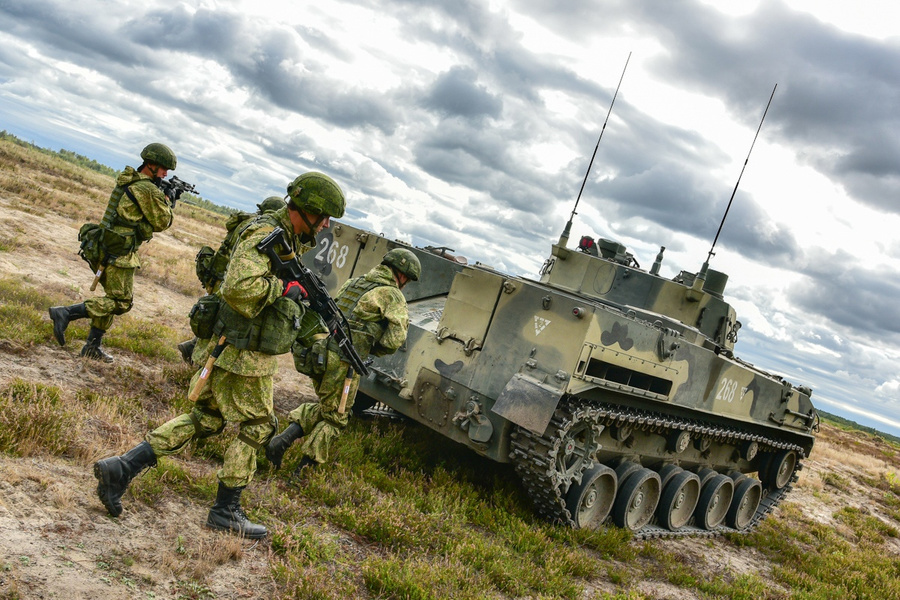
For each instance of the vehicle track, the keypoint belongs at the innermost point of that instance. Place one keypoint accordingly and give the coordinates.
(576, 426)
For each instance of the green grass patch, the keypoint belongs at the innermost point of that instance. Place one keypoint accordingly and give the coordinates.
(422, 579)
(170, 476)
(315, 582)
(836, 481)
(866, 526)
(413, 497)
(35, 419)
(24, 320)
(23, 309)
(307, 546)
(821, 562)
(144, 338)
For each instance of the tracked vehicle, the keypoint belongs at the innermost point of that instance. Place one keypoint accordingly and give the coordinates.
(614, 392)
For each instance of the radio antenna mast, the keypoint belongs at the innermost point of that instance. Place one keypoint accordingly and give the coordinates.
(705, 268)
(564, 238)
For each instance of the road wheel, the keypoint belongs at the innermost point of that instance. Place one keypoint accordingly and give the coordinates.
(590, 501)
(637, 499)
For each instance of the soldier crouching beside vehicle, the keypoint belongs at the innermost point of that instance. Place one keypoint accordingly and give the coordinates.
(378, 317)
(241, 378)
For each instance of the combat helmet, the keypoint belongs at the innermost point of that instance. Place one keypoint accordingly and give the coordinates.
(318, 194)
(404, 261)
(270, 204)
(159, 154)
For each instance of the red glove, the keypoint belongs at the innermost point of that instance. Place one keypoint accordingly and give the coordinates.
(294, 291)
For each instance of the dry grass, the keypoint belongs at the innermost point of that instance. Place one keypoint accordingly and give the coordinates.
(164, 264)
(835, 453)
(41, 183)
(196, 558)
(62, 496)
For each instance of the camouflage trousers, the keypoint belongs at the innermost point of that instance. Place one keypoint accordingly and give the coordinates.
(118, 285)
(321, 422)
(227, 398)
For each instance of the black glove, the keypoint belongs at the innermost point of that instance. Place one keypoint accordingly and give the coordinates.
(294, 291)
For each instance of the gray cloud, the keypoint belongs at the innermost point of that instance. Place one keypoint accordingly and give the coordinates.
(66, 31)
(457, 93)
(835, 90)
(854, 297)
(269, 60)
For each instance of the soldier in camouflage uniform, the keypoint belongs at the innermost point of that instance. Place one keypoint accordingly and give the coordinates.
(212, 273)
(240, 382)
(378, 317)
(136, 210)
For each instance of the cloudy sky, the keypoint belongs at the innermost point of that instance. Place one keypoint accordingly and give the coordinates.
(470, 124)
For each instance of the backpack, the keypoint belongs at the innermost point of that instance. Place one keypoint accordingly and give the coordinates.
(210, 265)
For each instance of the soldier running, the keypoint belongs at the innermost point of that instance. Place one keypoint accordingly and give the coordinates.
(211, 265)
(136, 210)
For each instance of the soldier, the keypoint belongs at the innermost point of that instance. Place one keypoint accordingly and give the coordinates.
(211, 264)
(240, 381)
(136, 210)
(379, 321)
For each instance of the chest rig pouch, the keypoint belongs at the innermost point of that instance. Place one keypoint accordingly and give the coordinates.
(272, 331)
(90, 236)
(311, 360)
(203, 316)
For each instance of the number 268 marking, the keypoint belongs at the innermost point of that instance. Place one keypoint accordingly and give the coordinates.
(727, 390)
(334, 253)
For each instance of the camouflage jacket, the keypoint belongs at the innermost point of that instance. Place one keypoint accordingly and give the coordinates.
(151, 213)
(384, 306)
(250, 286)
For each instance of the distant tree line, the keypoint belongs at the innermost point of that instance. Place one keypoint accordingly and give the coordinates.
(93, 165)
(189, 198)
(848, 424)
(66, 155)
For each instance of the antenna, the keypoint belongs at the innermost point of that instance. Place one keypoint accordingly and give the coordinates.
(705, 268)
(564, 238)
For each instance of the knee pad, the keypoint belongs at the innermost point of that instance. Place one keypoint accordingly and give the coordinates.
(199, 432)
(122, 306)
(272, 421)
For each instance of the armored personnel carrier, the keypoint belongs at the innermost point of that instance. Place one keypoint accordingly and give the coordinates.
(614, 392)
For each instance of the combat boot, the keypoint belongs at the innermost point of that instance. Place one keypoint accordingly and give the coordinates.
(187, 349)
(92, 347)
(115, 473)
(279, 444)
(227, 515)
(61, 315)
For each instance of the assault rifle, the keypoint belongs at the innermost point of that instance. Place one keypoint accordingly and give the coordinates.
(287, 267)
(174, 187)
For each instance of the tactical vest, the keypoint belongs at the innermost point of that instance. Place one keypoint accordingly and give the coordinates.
(365, 334)
(119, 242)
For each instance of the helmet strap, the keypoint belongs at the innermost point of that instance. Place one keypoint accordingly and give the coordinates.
(152, 169)
(308, 237)
(397, 275)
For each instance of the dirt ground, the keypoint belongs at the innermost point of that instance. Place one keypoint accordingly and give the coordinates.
(56, 540)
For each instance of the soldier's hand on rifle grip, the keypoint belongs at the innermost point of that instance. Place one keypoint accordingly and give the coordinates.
(294, 291)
